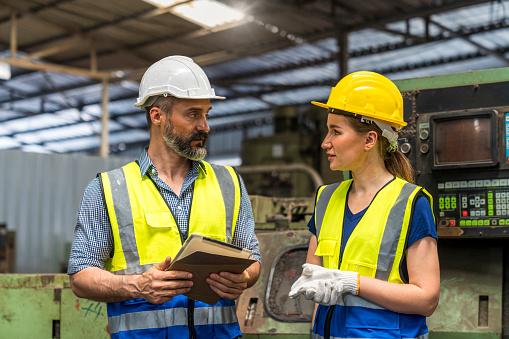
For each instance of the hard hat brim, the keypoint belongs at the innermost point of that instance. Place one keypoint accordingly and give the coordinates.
(319, 104)
(397, 124)
(140, 103)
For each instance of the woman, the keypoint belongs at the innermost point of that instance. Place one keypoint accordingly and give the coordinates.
(372, 263)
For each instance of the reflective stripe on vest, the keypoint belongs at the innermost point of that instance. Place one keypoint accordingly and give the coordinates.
(392, 230)
(389, 244)
(317, 336)
(228, 190)
(123, 213)
(171, 317)
(122, 207)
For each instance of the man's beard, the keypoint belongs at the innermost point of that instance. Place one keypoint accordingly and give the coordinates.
(182, 146)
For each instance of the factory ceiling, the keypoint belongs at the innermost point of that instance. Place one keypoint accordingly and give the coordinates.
(56, 56)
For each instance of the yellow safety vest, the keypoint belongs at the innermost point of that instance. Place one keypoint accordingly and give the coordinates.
(376, 246)
(144, 228)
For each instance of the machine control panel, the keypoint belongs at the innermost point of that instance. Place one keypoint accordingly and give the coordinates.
(474, 203)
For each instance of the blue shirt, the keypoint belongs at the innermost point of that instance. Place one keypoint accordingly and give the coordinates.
(93, 239)
(423, 223)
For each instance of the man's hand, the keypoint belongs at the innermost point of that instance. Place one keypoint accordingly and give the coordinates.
(228, 285)
(158, 286)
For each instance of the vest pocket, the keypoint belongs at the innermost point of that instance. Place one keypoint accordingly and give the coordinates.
(367, 270)
(160, 219)
(326, 249)
(379, 323)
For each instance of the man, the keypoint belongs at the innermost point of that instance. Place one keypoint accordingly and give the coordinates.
(133, 220)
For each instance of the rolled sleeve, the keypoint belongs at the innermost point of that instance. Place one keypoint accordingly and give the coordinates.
(93, 240)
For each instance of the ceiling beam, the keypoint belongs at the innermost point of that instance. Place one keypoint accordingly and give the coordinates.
(228, 81)
(27, 64)
(466, 38)
(424, 11)
(53, 50)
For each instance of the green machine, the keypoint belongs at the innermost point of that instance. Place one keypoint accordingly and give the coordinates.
(43, 306)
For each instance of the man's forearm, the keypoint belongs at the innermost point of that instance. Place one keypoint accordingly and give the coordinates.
(100, 285)
(253, 272)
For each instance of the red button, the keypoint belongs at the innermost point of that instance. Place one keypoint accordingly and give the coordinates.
(464, 213)
(452, 222)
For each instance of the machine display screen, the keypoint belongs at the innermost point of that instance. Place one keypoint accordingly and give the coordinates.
(464, 140)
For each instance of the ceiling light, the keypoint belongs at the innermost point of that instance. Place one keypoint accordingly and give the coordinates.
(207, 13)
(163, 3)
(5, 71)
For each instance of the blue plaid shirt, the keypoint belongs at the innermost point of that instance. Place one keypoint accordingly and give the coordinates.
(93, 238)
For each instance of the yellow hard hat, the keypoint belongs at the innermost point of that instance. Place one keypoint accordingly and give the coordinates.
(367, 94)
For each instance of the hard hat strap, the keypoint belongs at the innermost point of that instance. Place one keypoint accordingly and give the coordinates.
(388, 133)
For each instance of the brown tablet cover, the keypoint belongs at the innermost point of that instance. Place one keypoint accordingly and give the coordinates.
(226, 258)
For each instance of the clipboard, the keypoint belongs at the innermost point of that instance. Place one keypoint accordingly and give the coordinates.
(203, 256)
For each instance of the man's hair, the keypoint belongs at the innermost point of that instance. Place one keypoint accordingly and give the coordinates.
(165, 104)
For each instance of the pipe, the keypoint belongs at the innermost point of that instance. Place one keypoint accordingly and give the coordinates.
(313, 174)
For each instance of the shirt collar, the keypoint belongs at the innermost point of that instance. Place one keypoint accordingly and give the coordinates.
(146, 164)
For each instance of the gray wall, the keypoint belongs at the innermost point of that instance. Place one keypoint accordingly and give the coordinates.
(39, 199)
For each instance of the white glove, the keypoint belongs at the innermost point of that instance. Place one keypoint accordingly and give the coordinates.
(324, 285)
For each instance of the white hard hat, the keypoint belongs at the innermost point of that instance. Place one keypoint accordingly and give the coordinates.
(177, 76)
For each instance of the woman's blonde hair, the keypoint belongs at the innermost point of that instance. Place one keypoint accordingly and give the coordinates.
(395, 162)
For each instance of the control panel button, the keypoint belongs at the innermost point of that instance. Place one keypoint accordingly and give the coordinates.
(464, 213)
(424, 134)
(452, 222)
(405, 148)
(424, 148)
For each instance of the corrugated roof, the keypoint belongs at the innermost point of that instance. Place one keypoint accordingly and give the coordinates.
(283, 55)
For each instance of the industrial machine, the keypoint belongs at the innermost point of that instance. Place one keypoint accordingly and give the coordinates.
(458, 142)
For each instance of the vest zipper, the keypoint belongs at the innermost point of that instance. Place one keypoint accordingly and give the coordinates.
(328, 320)
(190, 318)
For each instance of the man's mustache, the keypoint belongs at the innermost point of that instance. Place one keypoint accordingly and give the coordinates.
(200, 136)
